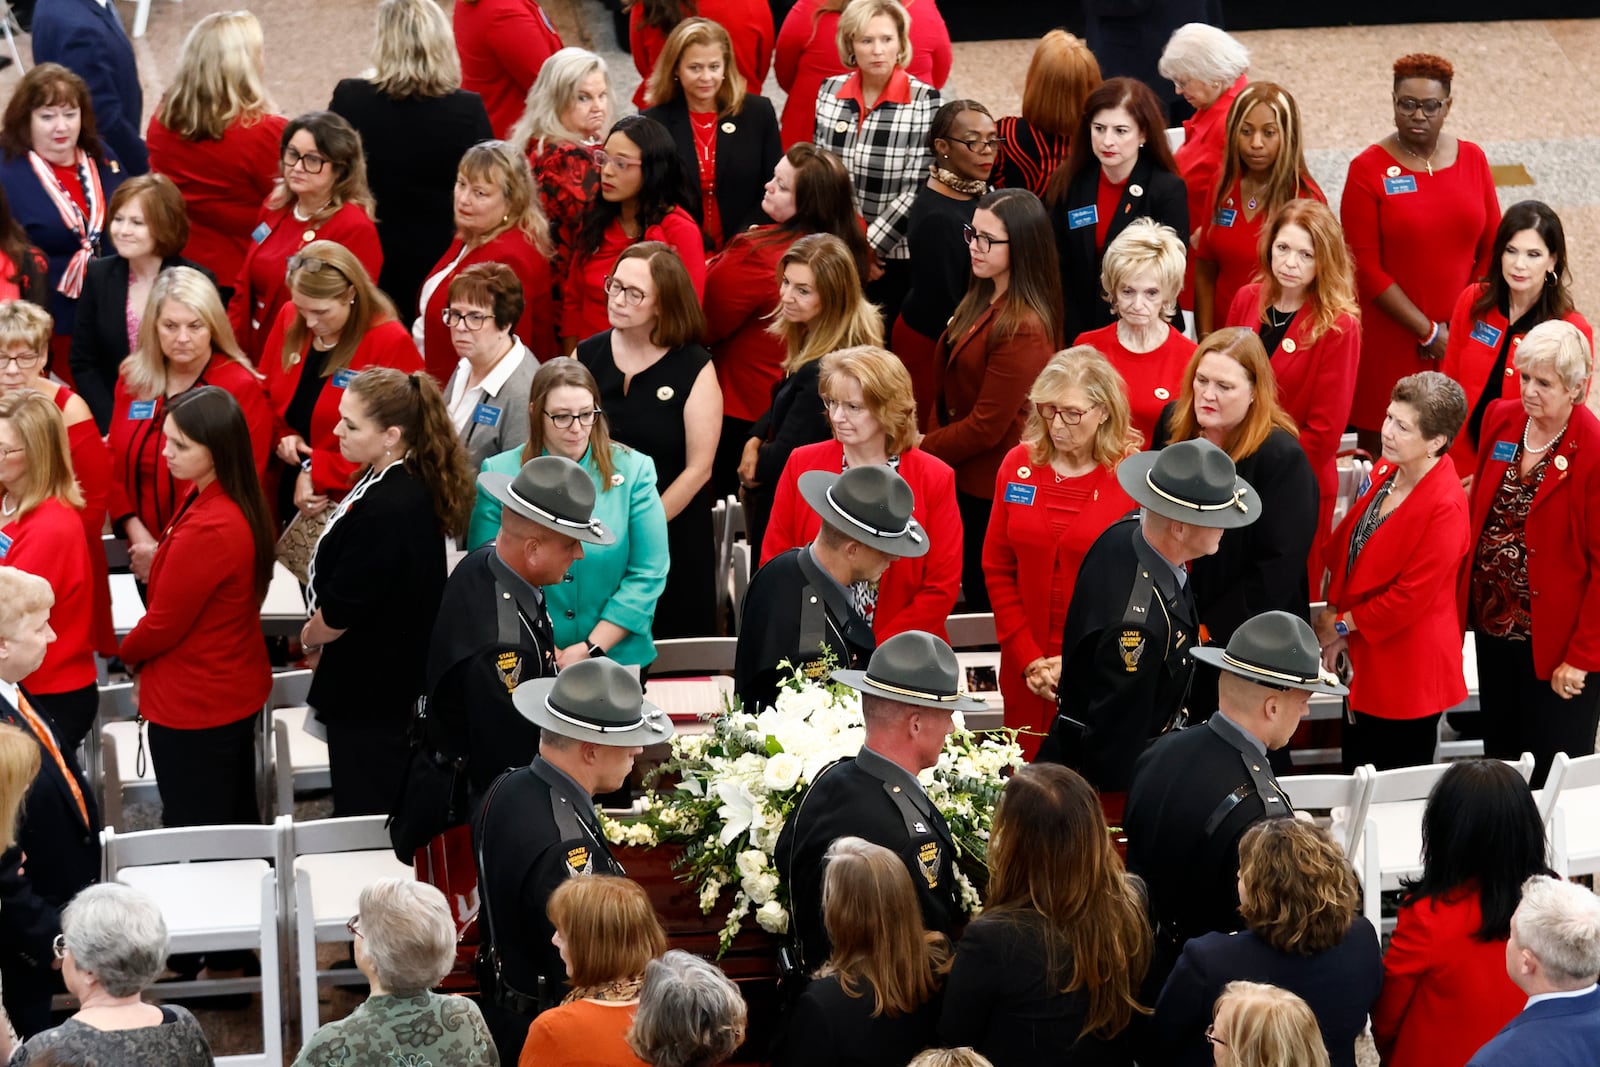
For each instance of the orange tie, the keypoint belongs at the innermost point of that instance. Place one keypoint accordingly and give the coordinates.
(47, 738)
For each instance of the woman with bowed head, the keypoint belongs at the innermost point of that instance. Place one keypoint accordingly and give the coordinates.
(1420, 212)
(377, 577)
(322, 196)
(1263, 168)
(867, 396)
(415, 86)
(58, 176)
(149, 225)
(1141, 275)
(1050, 972)
(963, 142)
(1208, 68)
(608, 933)
(198, 658)
(1260, 1025)
(1528, 284)
(658, 388)
(1001, 336)
(1532, 586)
(1055, 494)
(216, 135)
(727, 139)
(876, 1000)
(642, 193)
(1390, 606)
(1445, 988)
(690, 1014)
(498, 220)
(335, 325)
(748, 22)
(184, 343)
(608, 600)
(1119, 173)
(809, 193)
(821, 309)
(1033, 145)
(485, 393)
(1301, 905)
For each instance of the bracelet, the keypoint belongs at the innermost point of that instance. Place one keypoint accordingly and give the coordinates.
(1432, 336)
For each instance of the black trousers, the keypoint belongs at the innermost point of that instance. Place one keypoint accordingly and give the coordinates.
(367, 762)
(71, 714)
(1521, 713)
(889, 291)
(1389, 743)
(206, 777)
(730, 449)
(975, 512)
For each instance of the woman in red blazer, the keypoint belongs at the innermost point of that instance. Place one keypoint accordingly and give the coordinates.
(498, 220)
(1391, 606)
(867, 394)
(1055, 493)
(1531, 591)
(336, 325)
(1001, 336)
(1528, 284)
(198, 658)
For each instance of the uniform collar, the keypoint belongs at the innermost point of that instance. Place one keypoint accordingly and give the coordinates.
(527, 594)
(581, 799)
(1170, 578)
(1238, 735)
(886, 770)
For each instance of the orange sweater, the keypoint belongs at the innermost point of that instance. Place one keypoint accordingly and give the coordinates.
(585, 1033)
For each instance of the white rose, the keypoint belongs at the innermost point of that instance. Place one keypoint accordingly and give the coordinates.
(782, 772)
(750, 863)
(772, 918)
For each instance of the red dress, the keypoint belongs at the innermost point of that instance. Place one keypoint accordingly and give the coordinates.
(1431, 242)
(223, 184)
(91, 462)
(1231, 239)
(914, 594)
(536, 327)
(741, 292)
(568, 181)
(748, 22)
(1153, 378)
(1038, 534)
(583, 298)
(48, 541)
(502, 45)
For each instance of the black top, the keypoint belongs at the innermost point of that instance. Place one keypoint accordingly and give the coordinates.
(748, 147)
(940, 269)
(1493, 383)
(302, 405)
(831, 1028)
(795, 418)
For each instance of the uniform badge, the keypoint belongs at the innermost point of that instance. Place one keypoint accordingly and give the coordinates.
(509, 664)
(928, 863)
(1131, 643)
(579, 861)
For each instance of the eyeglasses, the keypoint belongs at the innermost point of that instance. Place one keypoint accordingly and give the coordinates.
(313, 265)
(1068, 416)
(1211, 1036)
(845, 407)
(1409, 105)
(354, 925)
(472, 320)
(622, 163)
(311, 164)
(632, 295)
(59, 946)
(981, 241)
(975, 145)
(27, 361)
(564, 419)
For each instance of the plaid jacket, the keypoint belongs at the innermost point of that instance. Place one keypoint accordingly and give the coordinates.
(885, 156)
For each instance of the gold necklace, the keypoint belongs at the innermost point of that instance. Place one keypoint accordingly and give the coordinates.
(1427, 162)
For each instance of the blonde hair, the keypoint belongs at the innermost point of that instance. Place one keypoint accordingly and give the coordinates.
(415, 51)
(845, 319)
(340, 272)
(218, 80)
(664, 86)
(38, 422)
(145, 370)
(22, 594)
(1562, 346)
(885, 389)
(503, 164)
(1145, 245)
(1083, 367)
(965, 1056)
(26, 323)
(1271, 1027)
(853, 21)
(869, 906)
(19, 763)
(554, 92)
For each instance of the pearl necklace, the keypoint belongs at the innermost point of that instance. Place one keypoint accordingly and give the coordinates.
(307, 218)
(1544, 447)
(7, 508)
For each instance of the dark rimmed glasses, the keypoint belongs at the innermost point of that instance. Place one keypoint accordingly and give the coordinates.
(26, 361)
(979, 145)
(353, 924)
(472, 320)
(564, 419)
(632, 295)
(1410, 105)
(981, 241)
(310, 162)
(1211, 1036)
(1068, 416)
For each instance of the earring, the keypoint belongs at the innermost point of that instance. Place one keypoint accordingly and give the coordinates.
(1551, 278)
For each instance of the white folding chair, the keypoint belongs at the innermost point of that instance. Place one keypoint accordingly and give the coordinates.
(299, 760)
(741, 580)
(120, 779)
(1343, 796)
(708, 664)
(1570, 806)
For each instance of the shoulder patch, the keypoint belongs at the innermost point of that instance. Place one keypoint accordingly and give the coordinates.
(1132, 645)
(928, 863)
(579, 861)
(509, 665)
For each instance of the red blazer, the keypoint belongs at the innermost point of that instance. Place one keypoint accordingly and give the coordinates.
(741, 291)
(502, 45)
(983, 398)
(1470, 354)
(387, 344)
(91, 462)
(1406, 645)
(1445, 993)
(748, 22)
(1562, 536)
(583, 298)
(198, 650)
(48, 541)
(536, 327)
(1030, 571)
(223, 184)
(914, 594)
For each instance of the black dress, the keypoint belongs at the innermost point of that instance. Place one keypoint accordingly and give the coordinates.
(831, 1028)
(646, 414)
(796, 418)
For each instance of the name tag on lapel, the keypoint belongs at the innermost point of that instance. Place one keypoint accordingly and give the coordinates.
(1504, 451)
(1406, 183)
(140, 410)
(5, 546)
(486, 415)
(1226, 217)
(343, 378)
(1485, 334)
(1017, 493)
(1079, 217)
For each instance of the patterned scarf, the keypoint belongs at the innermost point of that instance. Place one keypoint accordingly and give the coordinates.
(88, 230)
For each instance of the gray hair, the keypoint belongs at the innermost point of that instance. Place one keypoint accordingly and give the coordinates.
(553, 92)
(1196, 50)
(1559, 922)
(1560, 345)
(116, 933)
(690, 1014)
(410, 936)
(1439, 401)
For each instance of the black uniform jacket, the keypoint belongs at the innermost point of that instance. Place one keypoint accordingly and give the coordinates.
(794, 611)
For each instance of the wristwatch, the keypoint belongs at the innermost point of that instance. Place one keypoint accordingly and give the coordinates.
(1341, 627)
(595, 651)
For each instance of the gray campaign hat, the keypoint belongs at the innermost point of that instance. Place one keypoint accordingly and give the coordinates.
(917, 668)
(554, 492)
(1191, 481)
(596, 700)
(869, 504)
(1277, 649)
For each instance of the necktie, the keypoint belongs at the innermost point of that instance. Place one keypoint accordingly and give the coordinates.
(47, 738)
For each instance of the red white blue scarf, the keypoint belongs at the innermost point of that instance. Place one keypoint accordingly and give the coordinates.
(88, 230)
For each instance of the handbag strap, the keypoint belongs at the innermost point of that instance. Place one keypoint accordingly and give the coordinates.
(483, 870)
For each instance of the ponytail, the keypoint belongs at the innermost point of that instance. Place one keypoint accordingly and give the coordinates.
(413, 404)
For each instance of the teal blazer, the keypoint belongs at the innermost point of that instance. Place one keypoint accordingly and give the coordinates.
(620, 582)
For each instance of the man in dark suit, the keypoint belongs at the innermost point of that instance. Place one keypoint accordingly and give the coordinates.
(59, 833)
(1554, 957)
(909, 694)
(801, 605)
(87, 38)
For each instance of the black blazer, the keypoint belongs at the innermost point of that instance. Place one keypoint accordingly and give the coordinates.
(746, 154)
(100, 334)
(831, 1028)
(1162, 197)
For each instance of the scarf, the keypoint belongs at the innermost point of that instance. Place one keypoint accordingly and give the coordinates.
(970, 186)
(88, 230)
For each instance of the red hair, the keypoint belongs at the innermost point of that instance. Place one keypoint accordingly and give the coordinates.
(1424, 65)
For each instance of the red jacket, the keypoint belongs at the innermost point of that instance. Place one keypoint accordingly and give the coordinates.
(198, 651)
(223, 184)
(583, 298)
(914, 594)
(1470, 354)
(1199, 158)
(748, 22)
(502, 45)
(48, 541)
(1406, 644)
(741, 292)
(536, 327)
(1562, 536)
(387, 344)
(91, 462)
